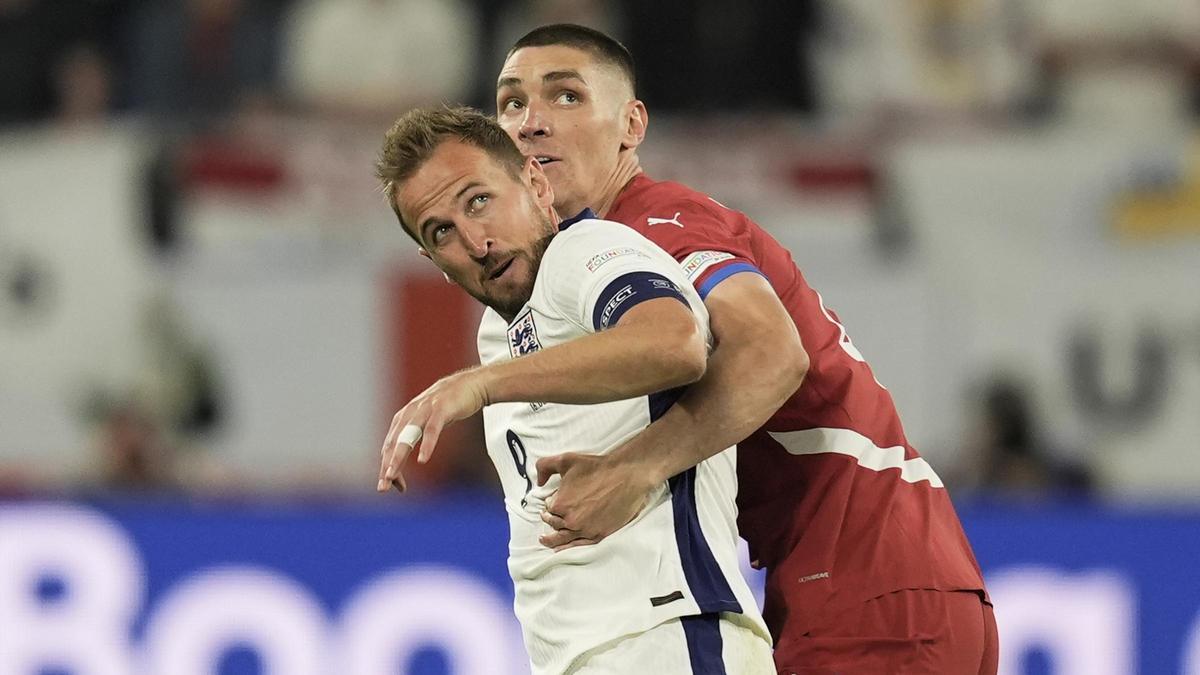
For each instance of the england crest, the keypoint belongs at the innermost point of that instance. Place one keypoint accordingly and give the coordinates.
(522, 336)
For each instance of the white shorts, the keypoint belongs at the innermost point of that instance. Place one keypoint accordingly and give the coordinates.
(693, 645)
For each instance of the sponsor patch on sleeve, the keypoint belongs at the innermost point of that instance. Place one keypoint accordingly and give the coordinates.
(599, 259)
(695, 264)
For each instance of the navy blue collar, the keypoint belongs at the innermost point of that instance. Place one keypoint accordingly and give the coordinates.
(586, 214)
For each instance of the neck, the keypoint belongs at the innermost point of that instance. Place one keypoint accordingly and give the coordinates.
(628, 166)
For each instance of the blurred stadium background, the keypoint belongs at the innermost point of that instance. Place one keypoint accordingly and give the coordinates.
(207, 314)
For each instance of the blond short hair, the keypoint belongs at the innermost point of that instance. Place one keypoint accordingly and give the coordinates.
(418, 133)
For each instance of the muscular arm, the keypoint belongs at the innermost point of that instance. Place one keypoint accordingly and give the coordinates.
(759, 362)
(655, 345)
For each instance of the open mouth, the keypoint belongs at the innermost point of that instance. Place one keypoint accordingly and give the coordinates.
(545, 159)
(499, 271)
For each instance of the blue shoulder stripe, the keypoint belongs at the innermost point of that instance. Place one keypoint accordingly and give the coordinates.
(724, 273)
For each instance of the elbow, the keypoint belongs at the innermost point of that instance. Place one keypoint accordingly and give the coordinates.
(686, 356)
(694, 365)
(788, 361)
(796, 364)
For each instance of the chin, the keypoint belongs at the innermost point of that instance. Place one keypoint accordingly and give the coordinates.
(508, 304)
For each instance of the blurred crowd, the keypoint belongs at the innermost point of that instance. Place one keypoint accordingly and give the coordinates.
(195, 69)
(197, 61)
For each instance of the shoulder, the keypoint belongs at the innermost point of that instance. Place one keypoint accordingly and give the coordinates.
(584, 258)
(594, 237)
(650, 203)
(590, 249)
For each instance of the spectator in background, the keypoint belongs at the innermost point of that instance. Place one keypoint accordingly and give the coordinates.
(196, 60)
(83, 86)
(939, 58)
(370, 58)
(48, 48)
(134, 453)
(1124, 64)
(174, 405)
(1014, 453)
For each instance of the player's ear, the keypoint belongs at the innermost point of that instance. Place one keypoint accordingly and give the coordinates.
(543, 194)
(636, 120)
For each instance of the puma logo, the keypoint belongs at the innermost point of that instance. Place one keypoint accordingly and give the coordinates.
(660, 221)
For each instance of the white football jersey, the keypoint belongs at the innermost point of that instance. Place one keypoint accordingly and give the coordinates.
(678, 557)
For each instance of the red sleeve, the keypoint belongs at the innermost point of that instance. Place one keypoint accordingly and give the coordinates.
(710, 241)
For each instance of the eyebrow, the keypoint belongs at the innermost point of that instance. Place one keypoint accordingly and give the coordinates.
(552, 76)
(473, 184)
(433, 222)
(556, 75)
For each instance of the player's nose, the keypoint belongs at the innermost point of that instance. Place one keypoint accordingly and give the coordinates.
(534, 124)
(477, 241)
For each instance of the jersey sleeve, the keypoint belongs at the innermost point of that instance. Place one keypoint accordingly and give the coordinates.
(597, 271)
(706, 238)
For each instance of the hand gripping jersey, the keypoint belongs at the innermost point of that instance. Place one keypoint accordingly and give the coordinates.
(832, 499)
(678, 557)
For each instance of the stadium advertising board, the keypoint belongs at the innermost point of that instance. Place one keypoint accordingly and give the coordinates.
(151, 588)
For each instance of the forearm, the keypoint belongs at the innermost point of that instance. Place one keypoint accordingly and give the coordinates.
(615, 364)
(715, 413)
(759, 363)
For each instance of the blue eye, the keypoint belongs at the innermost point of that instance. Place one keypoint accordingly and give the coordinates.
(439, 233)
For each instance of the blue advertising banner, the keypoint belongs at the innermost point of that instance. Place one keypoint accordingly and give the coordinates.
(374, 588)
(1086, 589)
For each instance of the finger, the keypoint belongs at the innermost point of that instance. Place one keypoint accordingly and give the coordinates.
(433, 430)
(399, 421)
(393, 429)
(558, 538)
(548, 466)
(414, 421)
(554, 521)
(581, 541)
(409, 435)
(384, 462)
(406, 440)
(397, 459)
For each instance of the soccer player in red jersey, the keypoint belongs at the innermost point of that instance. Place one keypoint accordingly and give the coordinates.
(868, 568)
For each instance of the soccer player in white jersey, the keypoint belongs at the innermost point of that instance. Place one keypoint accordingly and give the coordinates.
(590, 334)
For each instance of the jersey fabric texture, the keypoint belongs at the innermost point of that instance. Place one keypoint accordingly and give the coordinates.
(667, 649)
(678, 556)
(915, 632)
(833, 500)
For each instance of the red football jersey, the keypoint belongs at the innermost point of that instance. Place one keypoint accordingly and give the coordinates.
(832, 499)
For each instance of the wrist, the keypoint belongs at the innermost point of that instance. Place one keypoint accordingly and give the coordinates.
(637, 464)
(482, 383)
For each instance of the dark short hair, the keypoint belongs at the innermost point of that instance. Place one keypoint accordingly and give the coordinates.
(418, 133)
(604, 48)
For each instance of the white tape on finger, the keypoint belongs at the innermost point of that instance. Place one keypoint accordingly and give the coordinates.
(409, 435)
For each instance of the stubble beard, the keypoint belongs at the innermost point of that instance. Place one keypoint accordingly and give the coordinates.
(508, 307)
